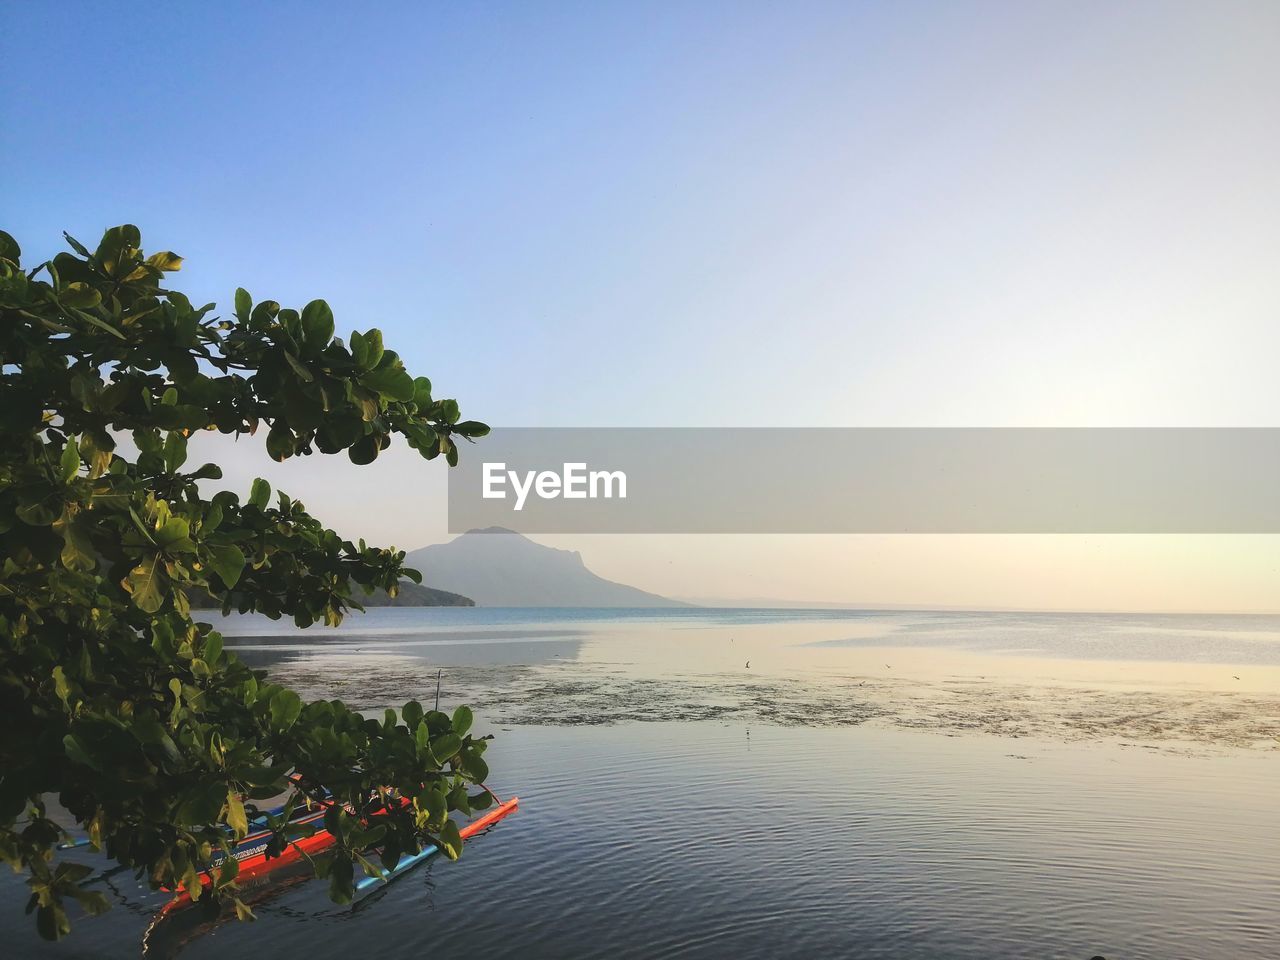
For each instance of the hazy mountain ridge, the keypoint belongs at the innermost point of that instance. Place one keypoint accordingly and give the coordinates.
(412, 594)
(497, 567)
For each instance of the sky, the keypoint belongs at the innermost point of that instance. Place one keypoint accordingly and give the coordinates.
(713, 214)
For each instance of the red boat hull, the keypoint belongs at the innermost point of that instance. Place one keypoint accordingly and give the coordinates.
(257, 864)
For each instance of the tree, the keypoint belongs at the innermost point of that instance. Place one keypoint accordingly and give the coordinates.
(111, 697)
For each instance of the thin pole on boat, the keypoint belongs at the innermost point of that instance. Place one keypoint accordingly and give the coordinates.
(438, 672)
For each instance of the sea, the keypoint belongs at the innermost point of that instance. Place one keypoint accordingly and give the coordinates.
(751, 784)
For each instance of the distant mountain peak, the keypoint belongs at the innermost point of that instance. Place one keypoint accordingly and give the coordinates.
(514, 571)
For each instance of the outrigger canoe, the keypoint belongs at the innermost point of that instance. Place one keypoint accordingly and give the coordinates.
(252, 856)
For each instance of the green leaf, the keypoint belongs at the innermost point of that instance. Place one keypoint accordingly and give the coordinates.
(339, 432)
(76, 245)
(175, 687)
(79, 296)
(433, 801)
(96, 445)
(76, 751)
(365, 450)
(341, 874)
(9, 248)
(305, 375)
(100, 324)
(174, 536)
(458, 799)
(280, 443)
(260, 494)
(449, 411)
(227, 561)
(39, 514)
(291, 321)
(202, 804)
(445, 746)
(263, 776)
(70, 459)
(145, 583)
(192, 883)
(229, 868)
(462, 720)
(264, 314)
(185, 416)
(166, 260)
(285, 708)
(52, 922)
(61, 686)
(422, 392)
(471, 428)
(93, 902)
(212, 647)
(175, 451)
(116, 247)
(317, 326)
(366, 349)
(474, 766)
(390, 381)
(236, 818)
(147, 729)
(72, 872)
(212, 517)
(77, 547)
(450, 840)
(244, 304)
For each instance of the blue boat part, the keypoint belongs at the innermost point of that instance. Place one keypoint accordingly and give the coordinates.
(407, 862)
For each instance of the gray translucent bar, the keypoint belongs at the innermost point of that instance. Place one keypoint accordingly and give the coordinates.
(924, 480)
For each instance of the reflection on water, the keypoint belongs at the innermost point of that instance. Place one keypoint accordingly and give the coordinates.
(1078, 803)
(1183, 638)
(278, 652)
(724, 841)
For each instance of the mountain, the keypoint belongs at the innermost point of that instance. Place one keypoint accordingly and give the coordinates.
(500, 568)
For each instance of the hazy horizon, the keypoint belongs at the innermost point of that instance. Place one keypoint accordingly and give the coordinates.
(582, 545)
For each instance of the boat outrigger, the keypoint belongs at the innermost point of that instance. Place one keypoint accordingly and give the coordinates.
(251, 851)
(409, 861)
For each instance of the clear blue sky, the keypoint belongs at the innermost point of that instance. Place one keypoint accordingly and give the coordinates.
(703, 213)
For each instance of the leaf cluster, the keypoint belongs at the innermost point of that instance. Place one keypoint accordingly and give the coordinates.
(115, 705)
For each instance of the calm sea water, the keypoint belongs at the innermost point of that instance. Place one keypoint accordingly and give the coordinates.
(801, 784)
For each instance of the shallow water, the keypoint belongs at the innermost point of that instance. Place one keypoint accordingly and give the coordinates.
(1003, 791)
(1166, 682)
